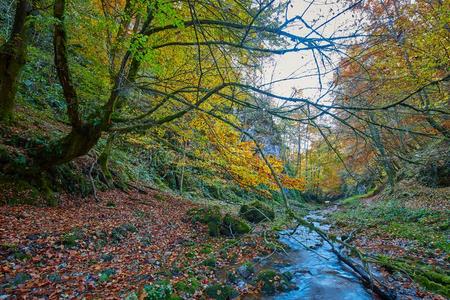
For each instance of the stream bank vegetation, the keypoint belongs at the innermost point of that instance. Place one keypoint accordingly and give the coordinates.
(146, 152)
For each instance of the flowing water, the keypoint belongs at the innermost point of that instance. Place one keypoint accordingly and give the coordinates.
(317, 271)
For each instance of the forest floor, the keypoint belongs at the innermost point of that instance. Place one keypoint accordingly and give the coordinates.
(144, 240)
(111, 248)
(408, 231)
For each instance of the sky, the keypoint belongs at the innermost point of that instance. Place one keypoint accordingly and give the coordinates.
(298, 64)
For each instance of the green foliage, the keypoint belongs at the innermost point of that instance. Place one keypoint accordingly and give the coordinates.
(207, 249)
(256, 212)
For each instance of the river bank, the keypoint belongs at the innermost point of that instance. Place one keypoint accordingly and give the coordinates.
(319, 274)
(406, 233)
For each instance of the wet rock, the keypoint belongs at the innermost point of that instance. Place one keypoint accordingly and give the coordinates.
(246, 270)
(273, 282)
(303, 271)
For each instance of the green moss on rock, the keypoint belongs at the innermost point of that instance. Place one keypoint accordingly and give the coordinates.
(273, 282)
(205, 215)
(256, 212)
(232, 226)
(221, 292)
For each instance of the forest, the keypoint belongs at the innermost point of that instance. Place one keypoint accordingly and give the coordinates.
(225, 149)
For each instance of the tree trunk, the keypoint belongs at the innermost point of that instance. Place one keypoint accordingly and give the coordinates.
(77, 143)
(12, 59)
(378, 144)
(103, 160)
(298, 169)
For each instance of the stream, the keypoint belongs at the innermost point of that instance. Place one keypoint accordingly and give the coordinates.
(317, 271)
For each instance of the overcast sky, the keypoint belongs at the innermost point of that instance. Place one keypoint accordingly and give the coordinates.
(302, 63)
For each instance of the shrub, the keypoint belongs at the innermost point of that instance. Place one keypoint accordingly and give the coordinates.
(256, 212)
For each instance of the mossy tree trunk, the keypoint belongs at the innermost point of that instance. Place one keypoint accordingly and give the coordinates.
(83, 135)
(12, 59)
(75, 144)
(103, 159)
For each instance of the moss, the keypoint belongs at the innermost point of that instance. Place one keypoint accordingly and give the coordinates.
(205, 214)
(432, 278)
(21, 278)
(228, 225)
(188, 286)
(234, 226)
(70, 239)
(273, 281)
(433, 286)
(214, 227)
(20, 255)
(9, 248)
(18, 191)
(160, 197)
(159, 290)
(210, 262)
(257, 212)
(121, 232)
(106, 274)
(207, 249)
(110, 204)
(221, 292)
(129, 227)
